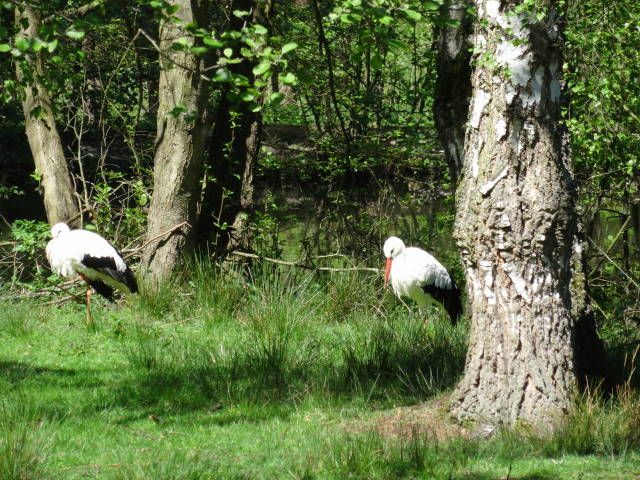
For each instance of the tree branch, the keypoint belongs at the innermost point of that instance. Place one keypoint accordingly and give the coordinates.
(304, 265)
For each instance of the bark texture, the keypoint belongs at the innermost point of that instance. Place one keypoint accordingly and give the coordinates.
(453, 85)
(44, 140)
(251, 140)
(179, 147)
(516, 224)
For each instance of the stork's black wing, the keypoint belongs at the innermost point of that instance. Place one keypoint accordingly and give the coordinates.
(107, 266)
(449, 297)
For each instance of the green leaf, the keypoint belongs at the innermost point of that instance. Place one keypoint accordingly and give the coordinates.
(433, 6)
(288, 47)
(222, 75)
(261, 68)
(74, 34)
(4, 47)
(397, 45)
(181, 44)
(376, 61)
(22, 44)
(288, 78)
(412, 14)
(227, 52)
(212, 42)
(52, 45)
(276, 98)
(178, 109)
(260, 30)
(240, 13)
(199, 50)
(37, 44)
(37, 112)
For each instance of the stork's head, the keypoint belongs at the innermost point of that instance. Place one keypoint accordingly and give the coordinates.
(392, 248)
(58, 229)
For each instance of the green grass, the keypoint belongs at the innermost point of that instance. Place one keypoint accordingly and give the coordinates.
(271, 375)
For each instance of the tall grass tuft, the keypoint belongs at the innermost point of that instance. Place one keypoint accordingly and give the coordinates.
(371, 456)
(18, 319)
(176, 466)
(421, 358)
(277, 351)
(219, 294)
(596, 425)
(159, 300)
(22, 450)
(348, 294)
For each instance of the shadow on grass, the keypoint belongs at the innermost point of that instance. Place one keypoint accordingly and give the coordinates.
(281, 363)
(16, 372)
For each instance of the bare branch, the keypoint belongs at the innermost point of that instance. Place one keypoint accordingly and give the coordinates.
(304, 265)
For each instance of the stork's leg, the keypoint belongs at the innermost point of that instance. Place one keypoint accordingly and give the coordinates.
(89, 315)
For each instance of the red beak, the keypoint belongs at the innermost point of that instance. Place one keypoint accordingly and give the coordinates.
(387, 271)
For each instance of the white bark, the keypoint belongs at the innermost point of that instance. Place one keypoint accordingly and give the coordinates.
(515, 225)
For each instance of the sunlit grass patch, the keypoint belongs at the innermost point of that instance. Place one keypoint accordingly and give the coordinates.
(23, 449)
(18, 319)
(178, 465)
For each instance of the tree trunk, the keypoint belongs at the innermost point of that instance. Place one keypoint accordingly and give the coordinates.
(46, 146)
(233, 154)
(453, 84)
(179, 147)
(241, 234)
(516, 224)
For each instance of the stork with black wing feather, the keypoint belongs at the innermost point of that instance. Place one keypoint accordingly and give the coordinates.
(94, 259)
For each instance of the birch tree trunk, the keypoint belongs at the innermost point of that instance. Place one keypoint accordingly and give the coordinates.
(453, 85)
(516, 223)
(44, 141)
(179, 146)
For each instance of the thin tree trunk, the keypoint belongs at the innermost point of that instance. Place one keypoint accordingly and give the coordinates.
(241, 233)
(516, 225)
(325, 48)
(453, 84)
(179, 147)
(45, 143)
(233, 155)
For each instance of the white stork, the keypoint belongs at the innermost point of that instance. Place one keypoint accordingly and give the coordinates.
(95, 260)
(416, 274)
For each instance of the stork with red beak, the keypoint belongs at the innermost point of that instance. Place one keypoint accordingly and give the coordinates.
(416, 274)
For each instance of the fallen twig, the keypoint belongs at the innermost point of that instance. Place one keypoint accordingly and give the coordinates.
(58, 301)
(304, 265)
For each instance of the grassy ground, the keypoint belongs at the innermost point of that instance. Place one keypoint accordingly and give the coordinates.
(281, 376)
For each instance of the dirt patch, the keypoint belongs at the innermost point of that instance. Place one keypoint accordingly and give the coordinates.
(430, 419)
